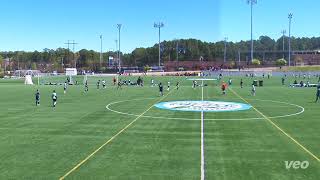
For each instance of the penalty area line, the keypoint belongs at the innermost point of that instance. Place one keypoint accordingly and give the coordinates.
(277, 127)
(109, 140)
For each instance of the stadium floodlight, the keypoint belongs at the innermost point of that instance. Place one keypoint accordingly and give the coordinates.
(225, 50)
(116, 50)
(283, 32)
(119, 58)
(290, 18)
(159, 25)
(251, 3)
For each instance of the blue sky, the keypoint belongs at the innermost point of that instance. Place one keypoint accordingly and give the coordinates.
(38, 24)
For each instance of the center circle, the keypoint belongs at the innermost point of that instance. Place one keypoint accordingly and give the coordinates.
(203, 106)
(301, 110)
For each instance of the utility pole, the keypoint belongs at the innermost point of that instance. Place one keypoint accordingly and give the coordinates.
(159, 26)
(290, 18)
(252, 2)
(71, 43)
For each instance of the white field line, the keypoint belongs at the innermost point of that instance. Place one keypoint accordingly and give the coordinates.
(279, 128)
(108, 141)
(202, 139)
(108, 107)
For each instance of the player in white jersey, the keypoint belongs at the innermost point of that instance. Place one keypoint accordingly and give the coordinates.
(253, 90)
(168, 86)
(54, 98)
(103, 84)
(65, 87)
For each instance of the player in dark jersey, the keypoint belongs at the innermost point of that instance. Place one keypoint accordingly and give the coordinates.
(119, 84)
(283, 80)
(241, 83)
(178, 85)
(161, 89)
(114, 81)
(86, 88)
(54, 98)
(318, 92)
(37, 98)
(98, 84)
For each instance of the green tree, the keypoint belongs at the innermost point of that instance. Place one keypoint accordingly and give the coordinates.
(281, 62)
(256, 62)
(34, 66)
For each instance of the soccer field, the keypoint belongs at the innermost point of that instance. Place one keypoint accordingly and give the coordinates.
(120, 134)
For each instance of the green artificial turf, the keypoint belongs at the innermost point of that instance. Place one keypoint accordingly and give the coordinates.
(46, 143)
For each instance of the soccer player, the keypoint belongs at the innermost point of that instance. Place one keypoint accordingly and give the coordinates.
(103, 84)
(65, 88)
(119, 84)
(230, 81)
(224, 88)
(86, 88)
(253, 90)
(194, 84)
(114, 81)
(168, 89)
(152, 82)
(98, 84)
(283, 79)
(241, 83)
(161, 89)
(37, 97)
(178, 85)
(54, 98)
(318, 92)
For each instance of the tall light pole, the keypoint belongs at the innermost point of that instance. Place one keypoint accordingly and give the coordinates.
(119, 40)
(290, 17)
(101, 56)
(283, 35)
(251, 3)
(116, 50)
(225, 50)
(159, 26)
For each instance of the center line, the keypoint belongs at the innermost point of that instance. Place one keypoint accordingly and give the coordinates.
(202, 139)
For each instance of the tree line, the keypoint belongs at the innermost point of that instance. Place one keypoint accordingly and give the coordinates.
(181, 50)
